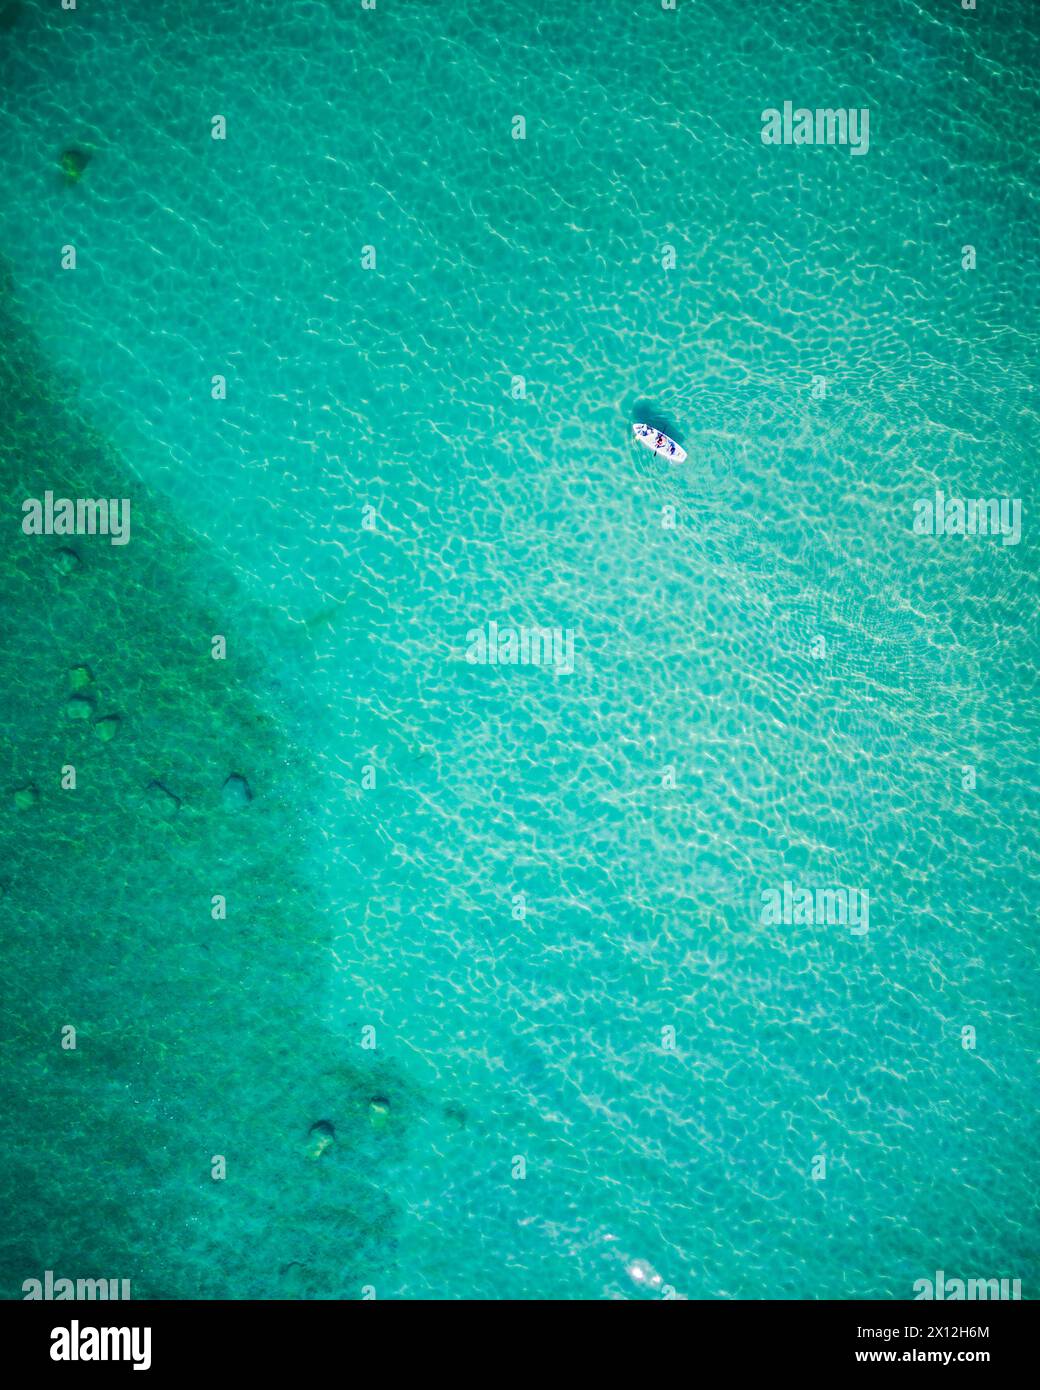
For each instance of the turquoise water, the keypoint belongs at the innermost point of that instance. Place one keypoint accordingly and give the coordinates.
(390, 907)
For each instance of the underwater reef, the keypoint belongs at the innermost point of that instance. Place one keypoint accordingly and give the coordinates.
(141, 781)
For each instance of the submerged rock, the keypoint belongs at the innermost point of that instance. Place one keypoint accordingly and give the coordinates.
(25, 798)
(236, 791)
(66, 561)
(107, 727)
(80, 677)
(73, 162)
(9, 15)
(322, 1136)
(79, 707)
(162, 800)
(294, 1274)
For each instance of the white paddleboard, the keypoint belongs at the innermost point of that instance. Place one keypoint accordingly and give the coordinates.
(660, 443)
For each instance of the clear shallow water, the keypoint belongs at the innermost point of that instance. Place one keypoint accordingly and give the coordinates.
(391, 907)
